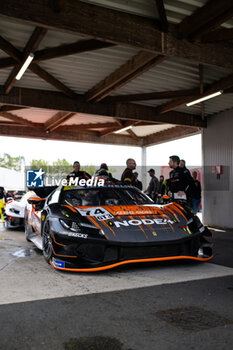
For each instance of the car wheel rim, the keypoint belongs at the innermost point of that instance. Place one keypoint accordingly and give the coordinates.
(46, 240)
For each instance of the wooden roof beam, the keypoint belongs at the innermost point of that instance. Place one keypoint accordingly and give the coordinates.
(89, 126)
(139, 64)
(162, 15)
(60, 134)
(7, 47)
(10, 108)
(18, 120)
(222, 34)
(70, 49)
(126, 111)
(153, 96)
(60, 51)
(206, 18)
(117, 28)
(55, 121)
(170, 135)
(222, 84)
(132, 134)
(117, 128)
(33, 43)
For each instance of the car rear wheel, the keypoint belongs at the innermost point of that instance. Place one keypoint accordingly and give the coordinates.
(46, 241)
(27, 228)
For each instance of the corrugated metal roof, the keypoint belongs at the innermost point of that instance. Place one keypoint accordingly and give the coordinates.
(83, 71)
(172, 74)
(144, 8)
(35, 115)
(142, 131)
(80, 118)
(176, 10)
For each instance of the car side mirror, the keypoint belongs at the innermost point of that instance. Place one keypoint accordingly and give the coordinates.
(37, 203)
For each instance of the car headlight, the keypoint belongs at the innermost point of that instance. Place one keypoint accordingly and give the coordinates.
(70, 225)
(13, 210)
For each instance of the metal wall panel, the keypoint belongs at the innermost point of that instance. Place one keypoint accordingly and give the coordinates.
(218, 150)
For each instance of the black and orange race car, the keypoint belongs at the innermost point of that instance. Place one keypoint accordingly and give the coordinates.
(98, 228)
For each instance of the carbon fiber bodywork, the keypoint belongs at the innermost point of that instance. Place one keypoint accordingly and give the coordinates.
(97, 237)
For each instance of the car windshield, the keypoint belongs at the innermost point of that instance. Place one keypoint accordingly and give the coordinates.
(103, 196)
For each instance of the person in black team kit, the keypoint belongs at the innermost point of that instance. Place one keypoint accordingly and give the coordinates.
(196, 197)
(161, 189)
(78, 173)
(127, 177)
(181, 182)
(138, 183)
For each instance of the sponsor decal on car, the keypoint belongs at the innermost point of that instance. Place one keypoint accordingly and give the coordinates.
(78, 234)
(143, 222)
(58, 263)
(128, 212)
(98, 212)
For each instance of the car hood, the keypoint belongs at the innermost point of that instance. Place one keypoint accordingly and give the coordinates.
(143, 223)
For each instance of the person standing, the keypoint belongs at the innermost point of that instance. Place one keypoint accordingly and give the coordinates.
(196, 196)
(2, 202)
(78, 173)
(181, 182)
(127, 177)
(152, 189)
(138, 183)
(190, 190)
(161, 188)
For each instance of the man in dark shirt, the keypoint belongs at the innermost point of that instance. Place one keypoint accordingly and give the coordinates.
(196, 196)
(152, 189)
(127, 177)
(78, 173)
(190, 189)
(138, 183)
(161, 189)
(181, 182)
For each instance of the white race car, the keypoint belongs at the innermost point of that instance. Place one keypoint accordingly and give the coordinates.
(15, 211)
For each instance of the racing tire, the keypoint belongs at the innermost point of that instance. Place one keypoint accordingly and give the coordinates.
(46, 241)
(27, 228)
(6, 224)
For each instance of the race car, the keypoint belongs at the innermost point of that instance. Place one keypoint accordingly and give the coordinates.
(15, 211)
(98, 228)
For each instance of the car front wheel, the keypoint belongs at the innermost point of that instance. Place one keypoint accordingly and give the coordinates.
(46, 241)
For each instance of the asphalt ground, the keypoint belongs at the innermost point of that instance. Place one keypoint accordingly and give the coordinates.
(170, 305)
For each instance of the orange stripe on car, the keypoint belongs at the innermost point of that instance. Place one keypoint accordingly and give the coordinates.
(102, 268)
(71, 208)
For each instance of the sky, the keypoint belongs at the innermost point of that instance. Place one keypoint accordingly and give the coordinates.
(188, 148)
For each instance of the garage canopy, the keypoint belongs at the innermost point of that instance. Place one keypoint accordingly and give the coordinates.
(117, 72)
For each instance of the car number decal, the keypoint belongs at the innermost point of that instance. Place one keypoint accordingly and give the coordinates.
(98, 212)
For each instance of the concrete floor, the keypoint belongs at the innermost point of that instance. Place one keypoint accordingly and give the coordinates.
(42, 308)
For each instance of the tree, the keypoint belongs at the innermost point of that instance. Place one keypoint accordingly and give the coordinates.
(10, 162)
(61, 168)
(37, 164)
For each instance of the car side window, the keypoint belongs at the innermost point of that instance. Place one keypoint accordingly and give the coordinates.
(54, 197)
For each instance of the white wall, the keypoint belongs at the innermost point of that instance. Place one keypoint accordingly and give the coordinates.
(11, 179)
(218, 150)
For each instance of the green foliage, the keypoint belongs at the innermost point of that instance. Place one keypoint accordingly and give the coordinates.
(10, 162)
(37, 164)
(60, 168)
(90, 169)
